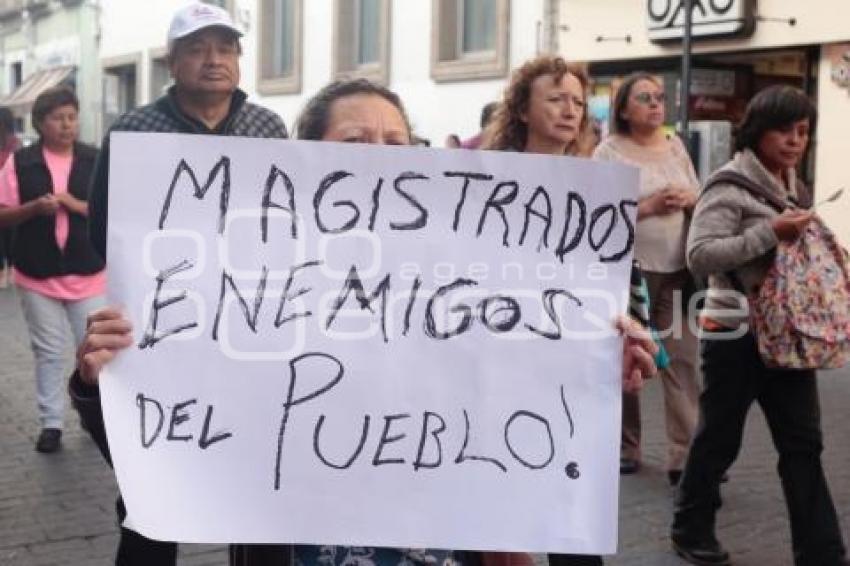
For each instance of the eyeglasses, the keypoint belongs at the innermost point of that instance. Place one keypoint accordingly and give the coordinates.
(648, 97)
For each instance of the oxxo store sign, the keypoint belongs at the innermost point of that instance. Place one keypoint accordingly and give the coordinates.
(711, 18)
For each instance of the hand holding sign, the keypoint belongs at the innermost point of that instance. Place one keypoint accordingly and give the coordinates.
(639, 350)
(366, 325)
(107, 333)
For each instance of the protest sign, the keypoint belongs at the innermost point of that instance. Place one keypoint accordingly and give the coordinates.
(352, 344)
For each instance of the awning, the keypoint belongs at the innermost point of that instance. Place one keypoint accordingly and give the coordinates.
(20, 101)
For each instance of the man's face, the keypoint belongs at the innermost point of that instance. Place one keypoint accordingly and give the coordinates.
(206, 62)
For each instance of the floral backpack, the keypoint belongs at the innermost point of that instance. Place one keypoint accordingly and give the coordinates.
(800, 314)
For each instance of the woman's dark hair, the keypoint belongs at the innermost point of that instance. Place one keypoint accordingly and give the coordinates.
(620, 125)
(49, 100)
(772, 109)
(312, 122)
(7, 123)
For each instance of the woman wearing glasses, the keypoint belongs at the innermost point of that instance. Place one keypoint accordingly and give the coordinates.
(668, 192)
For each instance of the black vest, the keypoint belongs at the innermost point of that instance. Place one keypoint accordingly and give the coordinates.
(35, 251)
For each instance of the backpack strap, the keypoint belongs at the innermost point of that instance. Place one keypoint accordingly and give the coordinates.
(731, 178)
(805, 197)
(760, 193)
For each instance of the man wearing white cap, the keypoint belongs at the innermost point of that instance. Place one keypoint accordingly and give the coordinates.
(203, 57)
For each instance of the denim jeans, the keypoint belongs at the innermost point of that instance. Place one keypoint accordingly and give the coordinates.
(46, 318)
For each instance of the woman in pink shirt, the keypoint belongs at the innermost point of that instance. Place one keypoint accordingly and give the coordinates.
(8, 144)
(59, 275)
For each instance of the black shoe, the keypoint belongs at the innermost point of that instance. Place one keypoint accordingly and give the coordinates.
(673, 476)
(629, 466)
(49, 440)
(702, 553)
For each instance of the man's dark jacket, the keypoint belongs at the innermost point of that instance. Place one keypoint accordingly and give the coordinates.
(164, 115)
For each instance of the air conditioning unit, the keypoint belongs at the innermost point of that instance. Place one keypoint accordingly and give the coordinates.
(714, 146)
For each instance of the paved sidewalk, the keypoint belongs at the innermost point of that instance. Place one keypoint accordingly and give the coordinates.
(59, 509)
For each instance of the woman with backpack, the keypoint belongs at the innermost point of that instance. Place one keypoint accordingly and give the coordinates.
(733, 238)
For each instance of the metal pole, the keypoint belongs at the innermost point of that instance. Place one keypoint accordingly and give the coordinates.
(685, 84)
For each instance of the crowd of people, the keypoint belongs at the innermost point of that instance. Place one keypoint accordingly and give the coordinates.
(54, 194)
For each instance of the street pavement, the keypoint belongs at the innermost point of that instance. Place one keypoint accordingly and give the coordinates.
(59, 509)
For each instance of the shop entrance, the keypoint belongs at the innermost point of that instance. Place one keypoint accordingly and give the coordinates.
(721, 86)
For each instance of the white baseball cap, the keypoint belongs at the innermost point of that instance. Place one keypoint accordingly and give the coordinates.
(198, 16)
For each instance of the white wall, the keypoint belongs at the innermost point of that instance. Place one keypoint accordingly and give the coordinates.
(818, 21)
(436, 109)
(131, 26)
(128, 26)
(833, 144)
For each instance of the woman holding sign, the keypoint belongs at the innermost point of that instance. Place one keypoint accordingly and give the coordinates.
(44, 193)
(358, 112)
(544, 111)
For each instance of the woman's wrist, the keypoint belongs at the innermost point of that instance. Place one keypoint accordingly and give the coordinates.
(646, 208)
(30, 209)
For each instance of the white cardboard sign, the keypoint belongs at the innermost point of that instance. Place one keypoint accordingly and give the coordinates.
(349, 344)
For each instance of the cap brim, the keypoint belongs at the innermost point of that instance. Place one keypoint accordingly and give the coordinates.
(232, 29)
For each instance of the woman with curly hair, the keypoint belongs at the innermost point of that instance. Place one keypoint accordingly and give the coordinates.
(543, 110)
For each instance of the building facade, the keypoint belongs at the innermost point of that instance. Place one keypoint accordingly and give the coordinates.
(739, 46)
(448, 58)
(445, 58)
(48, 42)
